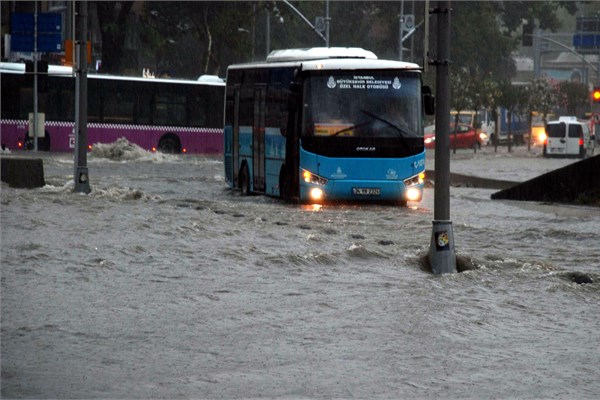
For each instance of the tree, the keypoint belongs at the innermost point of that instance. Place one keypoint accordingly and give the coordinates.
(512, 100)
(190, 38)
(112, 18)
(572, 96)
(541, 98)
(194, 38)
(474, 28)
(480, 92)
(460, 98)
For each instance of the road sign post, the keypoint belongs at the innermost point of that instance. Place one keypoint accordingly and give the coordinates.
(33, 33)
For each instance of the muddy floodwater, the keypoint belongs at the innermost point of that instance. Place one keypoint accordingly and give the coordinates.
(164, 283)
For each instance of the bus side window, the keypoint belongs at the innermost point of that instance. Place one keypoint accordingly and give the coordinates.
(144, 99)
(276, 113)
(197, 107)
(246, 106)
(170, 109)
(94, 100)
(118, 104)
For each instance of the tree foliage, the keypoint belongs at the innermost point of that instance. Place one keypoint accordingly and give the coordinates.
(572, 96)
(189, 38)
(112, 18)
(542, 97)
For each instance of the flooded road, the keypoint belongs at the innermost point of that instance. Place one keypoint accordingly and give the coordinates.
(162, 282)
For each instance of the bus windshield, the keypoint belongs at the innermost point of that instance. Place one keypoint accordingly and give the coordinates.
(362, 104)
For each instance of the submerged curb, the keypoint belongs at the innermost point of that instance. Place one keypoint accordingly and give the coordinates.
(461, 180)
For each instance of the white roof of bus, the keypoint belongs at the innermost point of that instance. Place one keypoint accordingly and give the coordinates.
(317, 53)
(323, 58)
(19, 68)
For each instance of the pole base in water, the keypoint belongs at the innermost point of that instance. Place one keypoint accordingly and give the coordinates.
(82, 180)
(442, 256)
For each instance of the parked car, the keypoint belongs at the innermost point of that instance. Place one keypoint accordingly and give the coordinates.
(568, 137)
(466, 137)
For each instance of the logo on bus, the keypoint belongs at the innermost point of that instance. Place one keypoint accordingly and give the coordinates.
(396, 84)
(331, 83)
(339, 174)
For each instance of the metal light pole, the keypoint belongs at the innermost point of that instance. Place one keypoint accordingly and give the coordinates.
(35, 78)
(327, 22)
(81, 176)
(442, 256)
(400, 30)
(294, 9)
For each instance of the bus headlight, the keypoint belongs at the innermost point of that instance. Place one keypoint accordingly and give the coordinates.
(316, 194)
(413, 194)
(415, 180)
(309, 177)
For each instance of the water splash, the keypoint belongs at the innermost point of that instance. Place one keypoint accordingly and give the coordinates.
(123, 150)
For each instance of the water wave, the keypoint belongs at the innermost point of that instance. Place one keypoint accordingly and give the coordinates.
(123, 150)
(360, 252)
(123, 193)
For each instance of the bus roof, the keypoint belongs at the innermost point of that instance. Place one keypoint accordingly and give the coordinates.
(60, 70)
(324, 58)
(319, 53)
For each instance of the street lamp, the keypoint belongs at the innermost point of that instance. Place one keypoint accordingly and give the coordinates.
(268, 30)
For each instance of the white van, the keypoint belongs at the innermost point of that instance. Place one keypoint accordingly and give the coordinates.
(568, 137)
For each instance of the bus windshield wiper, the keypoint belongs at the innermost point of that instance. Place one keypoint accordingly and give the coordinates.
(399, 130)
(350, 128)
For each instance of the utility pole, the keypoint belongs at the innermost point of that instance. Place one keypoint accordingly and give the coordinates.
(268, 32)
(35, 78)
(81, 176)
(327, 22)
(401, 30)
(442, 256)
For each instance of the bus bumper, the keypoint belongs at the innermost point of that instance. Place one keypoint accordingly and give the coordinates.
(361, 191)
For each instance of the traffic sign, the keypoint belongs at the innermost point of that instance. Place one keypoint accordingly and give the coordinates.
(408, 22)
(49, 32)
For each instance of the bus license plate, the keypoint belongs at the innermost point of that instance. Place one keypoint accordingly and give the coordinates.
(366, 191)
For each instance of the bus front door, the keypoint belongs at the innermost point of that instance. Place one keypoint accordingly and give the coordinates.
(258, 140)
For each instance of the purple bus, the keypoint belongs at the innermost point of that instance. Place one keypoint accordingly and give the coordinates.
(167, 115)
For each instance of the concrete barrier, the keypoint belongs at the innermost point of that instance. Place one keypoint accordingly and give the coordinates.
(22, 172)
(461, 180)
(576, 183)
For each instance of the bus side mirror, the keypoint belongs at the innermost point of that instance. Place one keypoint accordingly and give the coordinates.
(428, 101)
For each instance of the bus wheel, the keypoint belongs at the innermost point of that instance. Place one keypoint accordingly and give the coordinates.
(169, 144)
(245, 181)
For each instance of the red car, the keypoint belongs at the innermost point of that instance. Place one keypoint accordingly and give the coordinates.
(466, 137)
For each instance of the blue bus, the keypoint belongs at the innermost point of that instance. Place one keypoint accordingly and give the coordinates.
(321, 125)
